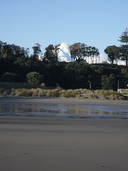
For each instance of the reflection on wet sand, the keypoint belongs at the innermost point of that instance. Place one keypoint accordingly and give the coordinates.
(34, 107)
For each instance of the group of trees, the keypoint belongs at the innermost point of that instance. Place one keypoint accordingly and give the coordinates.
(80, 51)
(16, 65)
(115, 53)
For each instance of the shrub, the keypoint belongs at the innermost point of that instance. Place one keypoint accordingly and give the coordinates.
(108, 82)
(53, 93)
(69, 93)
(34, 77)
(23, 92)
(38, 92)
(10, 77)
(109, 92)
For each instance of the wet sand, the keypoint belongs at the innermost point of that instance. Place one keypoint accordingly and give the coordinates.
(63, 144)
(63, 107)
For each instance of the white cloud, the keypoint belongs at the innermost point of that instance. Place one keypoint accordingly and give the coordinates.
(64, 53)
(103, 58)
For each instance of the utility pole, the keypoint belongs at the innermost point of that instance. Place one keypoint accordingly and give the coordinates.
(118, 84)
(90, 85)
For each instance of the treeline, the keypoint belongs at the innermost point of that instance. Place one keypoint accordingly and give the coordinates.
(16, 65)
(66, 75)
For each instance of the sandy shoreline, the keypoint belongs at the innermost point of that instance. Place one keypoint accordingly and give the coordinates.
(60, 100)
(34, 143)
(62, 144)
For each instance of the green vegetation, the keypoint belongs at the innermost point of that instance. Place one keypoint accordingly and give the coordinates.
(34, 78)
(108, 82)
(19, 70)
(9, 77)
(114, 53)
(77, 93)
(79, 51)
(70, 93)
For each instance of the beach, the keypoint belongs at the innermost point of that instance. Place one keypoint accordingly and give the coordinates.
(66, 144)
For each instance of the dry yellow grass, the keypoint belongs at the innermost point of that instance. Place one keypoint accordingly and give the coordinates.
(76, 93)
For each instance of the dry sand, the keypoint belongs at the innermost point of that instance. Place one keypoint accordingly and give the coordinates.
(63, 144)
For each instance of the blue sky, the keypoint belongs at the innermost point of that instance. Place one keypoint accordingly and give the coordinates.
(97, 23)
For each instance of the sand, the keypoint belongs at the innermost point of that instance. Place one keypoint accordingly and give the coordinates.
(63, 144)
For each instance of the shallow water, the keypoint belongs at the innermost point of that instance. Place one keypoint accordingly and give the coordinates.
(38, 107)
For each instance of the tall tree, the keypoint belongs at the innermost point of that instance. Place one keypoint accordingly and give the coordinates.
(7, 51)
(1, 49)
(36, 50)
(112, 52)
(124, 46)
(78, 50)
(51, 53)
(81, 51)
(124, 37)
(12, 51)
(124, 53)
(93, 52)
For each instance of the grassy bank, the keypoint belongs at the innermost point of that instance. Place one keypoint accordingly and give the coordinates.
(24, 89)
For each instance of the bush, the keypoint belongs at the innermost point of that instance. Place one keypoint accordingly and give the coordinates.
(23, 92)
(38, 92)
(4, 92)
(69, 93)
(108, 82)
(34, 77)
(53, 93)
(10, 77)
(110, 94)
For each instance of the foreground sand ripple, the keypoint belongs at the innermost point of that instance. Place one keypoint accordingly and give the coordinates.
(63, 144)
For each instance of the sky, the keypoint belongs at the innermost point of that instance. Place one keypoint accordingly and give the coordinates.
(96, 23)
